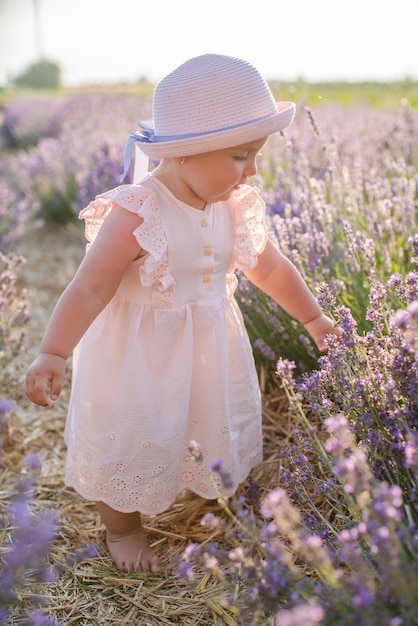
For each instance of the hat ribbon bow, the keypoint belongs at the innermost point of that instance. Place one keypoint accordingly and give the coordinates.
(143, 136)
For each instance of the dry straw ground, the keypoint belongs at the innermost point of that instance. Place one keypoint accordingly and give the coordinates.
(95, 592)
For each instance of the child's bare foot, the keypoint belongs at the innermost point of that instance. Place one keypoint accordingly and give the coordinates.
(131, 552)
(127, 541)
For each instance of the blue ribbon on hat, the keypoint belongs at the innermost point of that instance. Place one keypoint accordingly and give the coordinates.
(143, 136)
(147, 135)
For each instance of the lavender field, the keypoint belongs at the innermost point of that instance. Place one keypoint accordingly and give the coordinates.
(325, 531)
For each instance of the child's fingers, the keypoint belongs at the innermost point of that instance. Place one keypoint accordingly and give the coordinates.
(36, 389)
(57, 382)
(45, 379)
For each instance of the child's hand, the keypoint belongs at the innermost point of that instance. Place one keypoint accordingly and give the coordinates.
(46, 374)
(319, 328)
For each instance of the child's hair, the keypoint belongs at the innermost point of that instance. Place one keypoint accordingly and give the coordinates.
(209, 103)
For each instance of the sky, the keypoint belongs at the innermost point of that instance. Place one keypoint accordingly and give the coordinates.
(111, 41)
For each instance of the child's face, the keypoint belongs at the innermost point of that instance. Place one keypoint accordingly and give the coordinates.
(213, 176)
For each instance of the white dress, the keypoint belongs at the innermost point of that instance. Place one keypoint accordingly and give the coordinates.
(168, 360)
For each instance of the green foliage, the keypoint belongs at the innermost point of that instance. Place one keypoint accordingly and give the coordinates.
(272, 331)
(377, 94)
(43, 74)
(56, 206)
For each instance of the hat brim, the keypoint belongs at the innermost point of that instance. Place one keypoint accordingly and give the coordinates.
(225, 138)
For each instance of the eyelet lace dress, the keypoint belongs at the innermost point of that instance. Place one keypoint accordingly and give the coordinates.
(168, 360)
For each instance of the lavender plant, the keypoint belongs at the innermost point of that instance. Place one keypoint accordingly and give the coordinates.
(25, 553)
(279, 572)
(12, 217)
(76, 154)
(24, 556)
(373, 379)
(342, 204)
(29, 118)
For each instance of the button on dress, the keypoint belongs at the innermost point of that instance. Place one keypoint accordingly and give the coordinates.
(168, 361)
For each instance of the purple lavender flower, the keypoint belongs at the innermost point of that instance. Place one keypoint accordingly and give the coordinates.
(414, 242)
(33, 463)
(6, 407)
(265, 350)
(83, 553)
(225, 477)
(37, 618)
(277, 506)
(411, 451)
(348, 326)
(284, 371)
(407, 322)
(350, 467)
(26, 555)
(211, 521)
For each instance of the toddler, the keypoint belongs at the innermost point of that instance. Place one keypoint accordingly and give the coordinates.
(160, 352)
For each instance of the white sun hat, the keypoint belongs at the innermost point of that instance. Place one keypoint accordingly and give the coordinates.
(208, 103)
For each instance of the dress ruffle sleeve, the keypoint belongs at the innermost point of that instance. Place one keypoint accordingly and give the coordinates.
(250, 228)
(150, 234)
(251, 233)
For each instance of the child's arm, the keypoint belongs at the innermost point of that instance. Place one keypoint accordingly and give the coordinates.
(278, 277)
(93, 286)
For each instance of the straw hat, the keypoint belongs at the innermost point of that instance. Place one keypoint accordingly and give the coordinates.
(209, 103)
